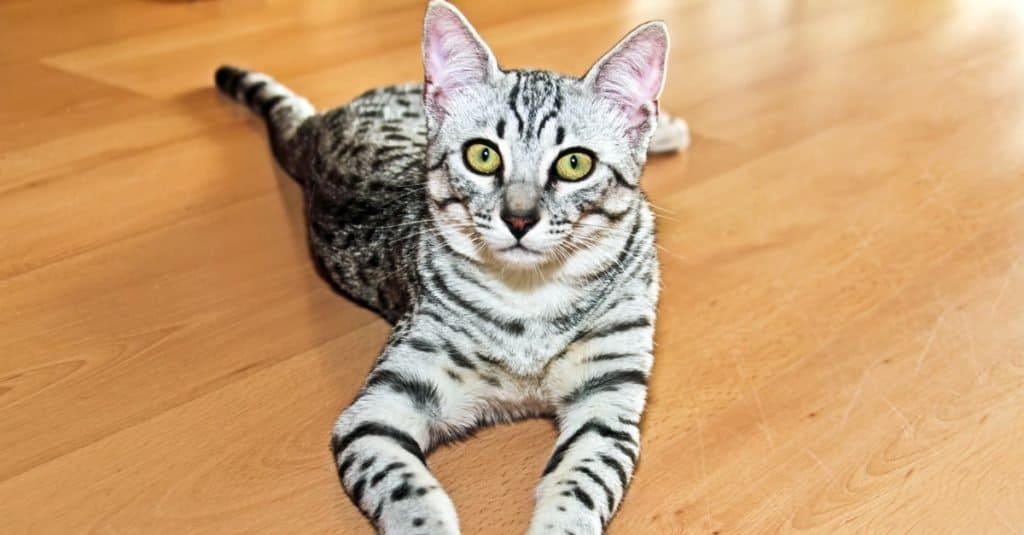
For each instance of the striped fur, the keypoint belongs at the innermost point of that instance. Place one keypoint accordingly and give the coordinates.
(489, 327)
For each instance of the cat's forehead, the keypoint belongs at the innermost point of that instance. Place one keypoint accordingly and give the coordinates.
(535, 85)
(536, 102)
(533, 110)
(527, 90)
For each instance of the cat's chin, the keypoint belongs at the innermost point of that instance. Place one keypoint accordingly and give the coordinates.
(520, 257)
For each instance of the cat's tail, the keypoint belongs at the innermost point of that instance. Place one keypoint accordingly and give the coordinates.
(287, 115)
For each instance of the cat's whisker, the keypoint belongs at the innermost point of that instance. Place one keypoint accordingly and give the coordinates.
(661, 208)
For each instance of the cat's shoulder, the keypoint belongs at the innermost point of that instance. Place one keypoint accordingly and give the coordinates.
(380, 132)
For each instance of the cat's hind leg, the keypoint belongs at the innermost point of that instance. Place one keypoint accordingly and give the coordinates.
(671, 135)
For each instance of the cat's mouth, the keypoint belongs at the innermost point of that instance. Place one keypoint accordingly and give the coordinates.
(520, 255)
(520, 247)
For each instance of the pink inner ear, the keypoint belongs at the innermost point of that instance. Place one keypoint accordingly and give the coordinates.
(632, 75)
(452, 56)
(437, 57)
(433, 66)
(650, 76)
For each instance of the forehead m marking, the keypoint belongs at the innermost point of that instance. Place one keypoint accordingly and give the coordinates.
(534, 94)
(512, 104)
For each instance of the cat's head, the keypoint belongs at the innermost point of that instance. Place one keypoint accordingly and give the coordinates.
(530, 168)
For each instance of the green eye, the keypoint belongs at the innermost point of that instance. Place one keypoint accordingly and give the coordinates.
(574, 165)
(482, 158)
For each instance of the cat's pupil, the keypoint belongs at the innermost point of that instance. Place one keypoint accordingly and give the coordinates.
(573, 162)
(485, 154)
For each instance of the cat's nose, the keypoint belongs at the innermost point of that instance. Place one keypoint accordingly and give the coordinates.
(519, 223)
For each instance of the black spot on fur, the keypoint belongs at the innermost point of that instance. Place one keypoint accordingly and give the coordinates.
(401, 492)
(379, 476)
(357, 490)
(367, 464)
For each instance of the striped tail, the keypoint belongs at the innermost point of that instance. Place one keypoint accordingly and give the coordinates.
(286, 114)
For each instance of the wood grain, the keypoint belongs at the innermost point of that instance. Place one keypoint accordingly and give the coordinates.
(840, 346)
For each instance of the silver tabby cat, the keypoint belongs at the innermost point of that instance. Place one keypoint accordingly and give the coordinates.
(494, 216)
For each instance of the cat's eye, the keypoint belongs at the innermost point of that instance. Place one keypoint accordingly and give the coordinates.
(574, 164)
(482, 157)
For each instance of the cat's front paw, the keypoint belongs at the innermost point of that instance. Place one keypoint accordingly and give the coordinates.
(428, 511)
(563, 513)
(580, 525)
(422, 525)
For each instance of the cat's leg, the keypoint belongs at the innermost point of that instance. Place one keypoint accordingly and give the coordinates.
(601, 384)
(422, 391)
(671, 135)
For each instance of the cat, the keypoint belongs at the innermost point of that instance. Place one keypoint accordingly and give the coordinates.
(495, 218)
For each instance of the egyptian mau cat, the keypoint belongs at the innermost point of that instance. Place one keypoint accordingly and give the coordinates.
(494, 216)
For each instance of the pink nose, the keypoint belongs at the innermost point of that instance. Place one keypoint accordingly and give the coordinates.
(519, 224)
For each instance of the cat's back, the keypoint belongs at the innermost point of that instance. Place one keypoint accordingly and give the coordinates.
(366, 190)
(376, 135)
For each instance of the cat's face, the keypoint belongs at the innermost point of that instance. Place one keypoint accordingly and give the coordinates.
(531, 168)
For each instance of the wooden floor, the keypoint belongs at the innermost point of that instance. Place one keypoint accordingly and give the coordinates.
(840, 344)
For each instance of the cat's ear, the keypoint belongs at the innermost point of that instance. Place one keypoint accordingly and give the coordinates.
(454, 56)
(632, 74)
